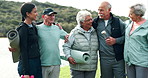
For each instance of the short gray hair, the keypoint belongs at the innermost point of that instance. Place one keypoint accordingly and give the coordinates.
(109, 6)
(81, 16)
(139, 9)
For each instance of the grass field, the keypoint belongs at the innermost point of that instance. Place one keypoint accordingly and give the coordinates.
(65, 72)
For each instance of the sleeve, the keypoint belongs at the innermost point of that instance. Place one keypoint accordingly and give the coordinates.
(147, 37)
(67, 46)
(63, 34)
(120, 40)
(95, 23)
(24, 49)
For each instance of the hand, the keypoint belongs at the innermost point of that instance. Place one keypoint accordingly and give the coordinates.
(110, 41)
(59, 26)
(66, 38)
(71, 60)
(26, 76)
(11, 49)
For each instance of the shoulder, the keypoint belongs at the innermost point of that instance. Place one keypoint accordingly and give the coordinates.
(118, 20)
(39, 25)
(22, 26)
(55, 26)
(74, 31)
(115, 18)
(95, 22)
(145, 24)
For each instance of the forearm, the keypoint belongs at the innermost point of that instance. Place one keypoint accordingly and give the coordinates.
(66, 50)
(120, 40)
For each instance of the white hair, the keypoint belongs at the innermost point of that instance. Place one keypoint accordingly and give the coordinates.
(109, 6)
(81, 16)
(139, 9)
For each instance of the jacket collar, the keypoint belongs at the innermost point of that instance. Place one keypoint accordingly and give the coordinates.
(81, 30)
(142, 26)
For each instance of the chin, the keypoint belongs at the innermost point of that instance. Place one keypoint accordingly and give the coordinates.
(35, 19)
(101, 17)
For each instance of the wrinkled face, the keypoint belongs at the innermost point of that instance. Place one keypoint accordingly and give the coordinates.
(87, 22)
(133, 16)
(33, 14)
(49, 18)
(103, 12)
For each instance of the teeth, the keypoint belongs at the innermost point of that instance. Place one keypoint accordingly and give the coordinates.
(100, 14)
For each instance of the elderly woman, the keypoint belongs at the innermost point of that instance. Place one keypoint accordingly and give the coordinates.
(136, 43)
(82, 38)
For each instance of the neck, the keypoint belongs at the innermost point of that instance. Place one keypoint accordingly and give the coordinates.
(107, 17)
(28, 21)
(47, 23)
(139, 21)
(86, 29)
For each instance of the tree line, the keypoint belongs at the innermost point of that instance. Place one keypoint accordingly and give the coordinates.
(10, 16)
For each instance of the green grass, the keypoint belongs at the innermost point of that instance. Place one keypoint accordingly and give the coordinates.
(65, 72)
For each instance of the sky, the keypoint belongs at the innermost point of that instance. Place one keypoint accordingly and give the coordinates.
(119, 7)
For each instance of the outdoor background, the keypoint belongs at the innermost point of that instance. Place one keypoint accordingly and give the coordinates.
(8, 69)
(67, 9)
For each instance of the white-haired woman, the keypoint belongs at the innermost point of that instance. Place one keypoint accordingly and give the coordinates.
(82, 38)
(136, 43)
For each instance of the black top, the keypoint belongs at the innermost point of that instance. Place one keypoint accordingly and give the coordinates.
(29, 47)
(115, 32)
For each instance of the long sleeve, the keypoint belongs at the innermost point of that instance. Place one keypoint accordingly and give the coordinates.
(120, 40)
(67, 45)
(63, 34)
(24, 48)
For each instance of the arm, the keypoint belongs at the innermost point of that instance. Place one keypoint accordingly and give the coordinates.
(24, 49)
(121, 39)
(67, 48)
(63, 34)
(12, 49)
(60, 27)
(147, 38)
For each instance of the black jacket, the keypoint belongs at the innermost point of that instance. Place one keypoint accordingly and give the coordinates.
(115, 33)
(29, 47)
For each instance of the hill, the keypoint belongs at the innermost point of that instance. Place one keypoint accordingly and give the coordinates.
(10, 15)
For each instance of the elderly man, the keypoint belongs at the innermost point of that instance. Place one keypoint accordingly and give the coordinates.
(110, 32)
(82, 38)
(49, 36)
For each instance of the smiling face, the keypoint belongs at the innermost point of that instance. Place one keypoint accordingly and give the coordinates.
(87, 24)
(49, 19)
(104, 11)
(133, 16)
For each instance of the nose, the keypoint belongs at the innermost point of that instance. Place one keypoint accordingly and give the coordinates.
(91, 20)
(52, 16)
(36, 14)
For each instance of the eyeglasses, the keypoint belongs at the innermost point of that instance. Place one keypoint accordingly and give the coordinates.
(88, 20)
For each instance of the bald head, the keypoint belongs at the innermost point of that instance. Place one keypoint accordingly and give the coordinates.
(104, 10)
(105, 4)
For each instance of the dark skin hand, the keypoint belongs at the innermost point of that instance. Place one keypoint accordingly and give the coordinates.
(110, 41)
(11, 49)
(71, 60)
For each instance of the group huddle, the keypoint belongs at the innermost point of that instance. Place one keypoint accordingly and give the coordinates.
(121, 46)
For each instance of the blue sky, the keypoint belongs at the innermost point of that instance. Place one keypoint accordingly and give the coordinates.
(119, 7)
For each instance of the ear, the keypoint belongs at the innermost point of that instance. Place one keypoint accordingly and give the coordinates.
(109, 9)
(27, 14)
(43, 16)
